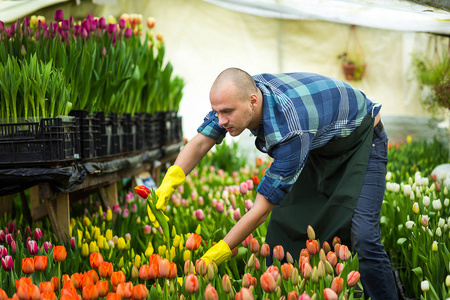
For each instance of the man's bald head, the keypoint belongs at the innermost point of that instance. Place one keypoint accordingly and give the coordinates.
(238, 79)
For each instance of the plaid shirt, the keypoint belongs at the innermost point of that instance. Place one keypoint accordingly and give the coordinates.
(301, 112)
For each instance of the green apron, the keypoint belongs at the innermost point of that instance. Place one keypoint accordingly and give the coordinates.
(325, 194)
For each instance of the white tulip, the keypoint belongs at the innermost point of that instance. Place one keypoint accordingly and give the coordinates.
(388, 176)
(410, 224)
(426, 201)
(437, 205)
(425, 285)
(441, 222)
(446, 202)
(407, 189)
(438, 231)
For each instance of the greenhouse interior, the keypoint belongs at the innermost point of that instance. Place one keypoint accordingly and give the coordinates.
(121, 182)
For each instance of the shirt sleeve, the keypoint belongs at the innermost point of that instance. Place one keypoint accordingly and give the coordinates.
(211, 128)
(289, 160)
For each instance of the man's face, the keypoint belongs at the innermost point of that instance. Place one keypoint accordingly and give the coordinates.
(234, 114)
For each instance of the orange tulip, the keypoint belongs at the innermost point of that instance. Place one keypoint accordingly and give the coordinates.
(59, 253)
(117, 277)
(247, 280)
(329, 294)
(164, 267)
(29, 292)
(339, 268)
(69, 286)
(113, 296)
(337, 284)
(48, 296)
(173, 270)
(254, 245)
(95, 259)
(259, 162)
(46, 286)
(336, 240)
(193, 242)
(144, 272)
(93, 274)
(274, 271)
(265, 250)
(105, 269)
(102, 288)
(267, 282)
(286, 270)
(278, 252)
(69, 297)
(90, 292)
(200, 267)
(188, 267)
(28, 265)
(326, 247)
(55, 281)
(40, 263)
(124, 289)
(211, 293)
(85, 280)
(312, 246)
(3, 295)
(353, 278)
(344, 253)
(306, 270)
(23, 280)
(244, 294)
(76, 279)
(154, 271)
(191, 285)
(292, 295)
(139, 292)
(332, 258)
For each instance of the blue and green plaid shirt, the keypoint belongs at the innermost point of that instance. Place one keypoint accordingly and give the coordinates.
(301, 112)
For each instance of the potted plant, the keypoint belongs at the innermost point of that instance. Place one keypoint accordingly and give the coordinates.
(353, 66)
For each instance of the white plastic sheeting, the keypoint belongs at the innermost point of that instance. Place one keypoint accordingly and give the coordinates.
(382, 14)
(10, 11)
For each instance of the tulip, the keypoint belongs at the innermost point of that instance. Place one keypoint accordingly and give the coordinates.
(193, 242)
(38, 234)
(144, 272)
(437, 204)
(336, 240)
(28, 265)
(200, 267)
(415, 208)
(434, 246)
(304, 296)
(117, 277)
(95, 260)
(425, 220)
(139, 292)
(33, 247)
(339, 268)
(40, 263)
(46, 286)
(199, 214)
(164, 267)
(353, 278)
(102, 287)
(265, 250)
(143, 191)
(425, 286)
(286, 270)
(150, 22)
(191, 284)
(344, 253)
(244, 294)
(306, 270)
(337, 284)
(211, 293)
(243, 188)
(3, 251)
(226, 284)
(59, 253)
(113, 296)
(268, 283)
(90, 292)
(48, 295)
(219, 207)
(28, 292)
(105, 269)
(7, 263)
(124, 289)
(278, 252)
(59, 15)
(237, 214)
(329, 294)
(311, 233)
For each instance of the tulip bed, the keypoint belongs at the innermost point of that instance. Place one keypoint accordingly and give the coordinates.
(117, 253)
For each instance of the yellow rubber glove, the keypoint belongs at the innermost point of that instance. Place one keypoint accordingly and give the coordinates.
(218, 253)
(174, 177)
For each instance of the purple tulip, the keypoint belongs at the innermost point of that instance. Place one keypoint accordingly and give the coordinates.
(2, 26)
(59, 15)
(122, 24)
(38, 234)
(199, 214)
(102, 23)
(65, 25)
(111, 28)
(7, 263)
(72, 242)
(84, 32)
(9, 238)
(71, 22)
(25, 23)
(2, 236)
(33, 247)
(128, 32)
(47, 246)
(3, 251)
(93, 25)
(90, 17)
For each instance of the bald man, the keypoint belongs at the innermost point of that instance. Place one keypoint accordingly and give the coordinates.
(329, 149)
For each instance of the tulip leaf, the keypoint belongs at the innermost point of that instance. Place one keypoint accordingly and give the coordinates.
(401, 241)
(418, 272)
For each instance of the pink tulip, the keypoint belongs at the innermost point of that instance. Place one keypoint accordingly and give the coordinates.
(128, 32)
(7, 263)
(250, 184)
(226, 284)
(332, 258)
(147, 229)
(13, 247)
(244, 294)
(254, 245)
(47, 246)
(72, 242)
(306, 270)
(211, 293)
(329, 294)
(353, 278)
(268, 284)
(33, 247)
(344, 253)
(9, 238)
(199, 214)
(219, 207)
(278, 252)
(304, 296)
(191, 284)
(237, 214)
(339, 268)
(3, 251)
(164, 267)
(337, 284)
(2, 236)
(243, 188)
(248, 204)
(265, 250)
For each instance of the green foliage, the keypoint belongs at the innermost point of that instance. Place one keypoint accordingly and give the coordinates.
(224, 156)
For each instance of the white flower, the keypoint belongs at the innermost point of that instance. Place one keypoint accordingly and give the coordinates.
(446, 202)
(426, 201)
(425, 285)
(441, 222)
(438, 231)
(437, 205)
(424, 181)
(412, 197)
(388, 176)
(407, 189)
(410, 224)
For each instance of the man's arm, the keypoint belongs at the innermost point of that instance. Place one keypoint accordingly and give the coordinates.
(193, 152)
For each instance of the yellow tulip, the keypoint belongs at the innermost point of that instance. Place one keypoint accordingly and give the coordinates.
(100, 242)
(121, 243)
(198, 230)
(174, 231)
(109, 234)
(80, 237)
(137, 261)
(120, 262)
(86, 221)
(408, 139)
(100, 211)
(85, 250)
(416, 208)
(176, 240)
(186, 255)
(173, 252)
(162, 250)
(149, 251)
(93, 247)
(87, 235)
(109, 215)
(95, 232)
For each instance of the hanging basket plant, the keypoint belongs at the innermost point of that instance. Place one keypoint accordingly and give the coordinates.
(352, 59)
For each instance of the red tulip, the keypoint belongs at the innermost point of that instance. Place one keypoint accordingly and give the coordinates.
(191, 284)
(102, 287)
(193, 242)
(7, 263)
(142, 191)
(59, 253)
(278, 252)
(40, 263)
(105, 269)
(337, 284)
(211, 293)
(28, 265)
(329, 294)
(90, 292)
(95, 259)
(244, 294)
(353, 278)
(268, 284)
(139, 292)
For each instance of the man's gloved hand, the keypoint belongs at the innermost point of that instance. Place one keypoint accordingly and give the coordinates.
(218, 253)
(174, 177)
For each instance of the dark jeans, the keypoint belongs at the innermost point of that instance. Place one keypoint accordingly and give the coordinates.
(374, 266)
